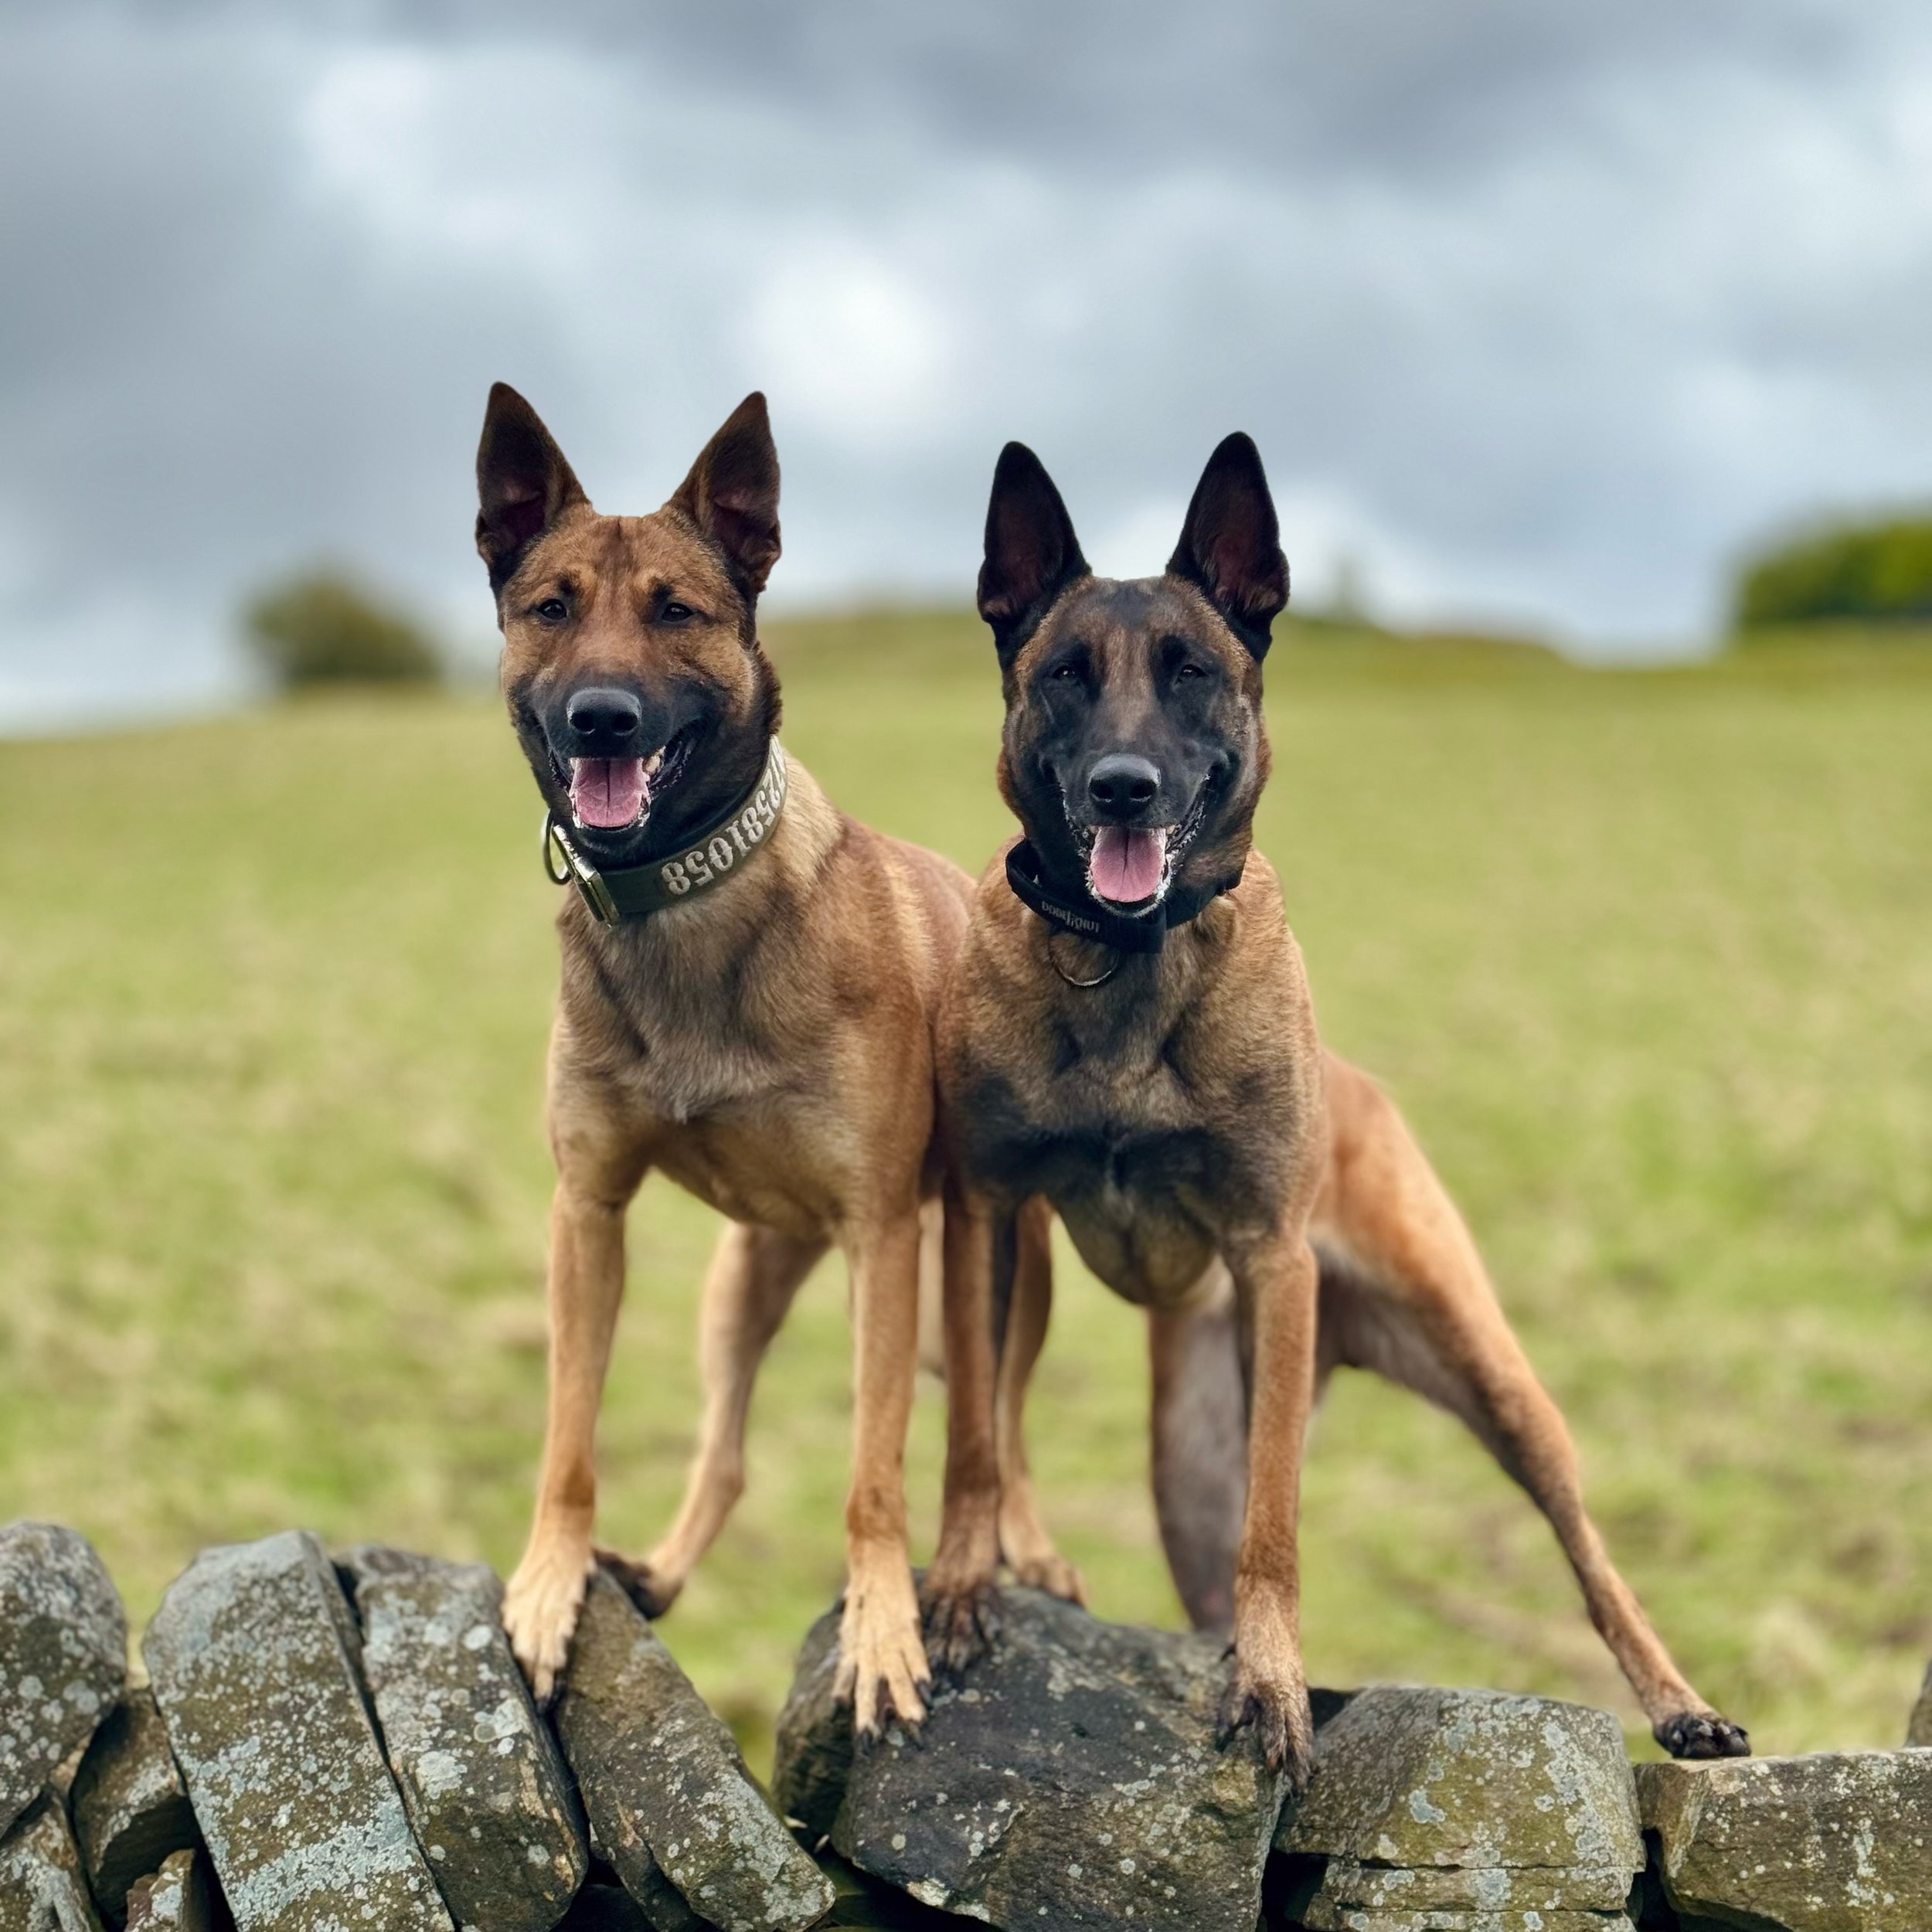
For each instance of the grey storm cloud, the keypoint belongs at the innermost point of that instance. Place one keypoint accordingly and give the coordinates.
(1537, 313)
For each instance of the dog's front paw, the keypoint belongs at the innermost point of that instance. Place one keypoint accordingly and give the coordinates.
(540, 1611)
(1276, 1709)
(652, 1593)
(883, 1671)
(962, 1619)
(1701, 1734)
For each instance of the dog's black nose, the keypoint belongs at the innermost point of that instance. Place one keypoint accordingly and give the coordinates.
(604, 717)
(1122, 784)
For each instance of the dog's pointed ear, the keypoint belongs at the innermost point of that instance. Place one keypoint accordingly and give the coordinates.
(523, 485)
(1230, 545)
(1032, 553)
(732, 492)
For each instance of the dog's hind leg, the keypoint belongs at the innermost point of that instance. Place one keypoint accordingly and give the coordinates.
(1406, 1294)
(1200, 1457)
(748, 1290)
(1023, 1540)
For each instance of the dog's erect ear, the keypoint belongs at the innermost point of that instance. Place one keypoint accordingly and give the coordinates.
(732, 492)
(1032, 553)
(1231, 545)
(523, 483)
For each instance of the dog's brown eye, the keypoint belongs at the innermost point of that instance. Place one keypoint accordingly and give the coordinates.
(552, 611)
(1188, 671)
(676, 613)
(1062, 674)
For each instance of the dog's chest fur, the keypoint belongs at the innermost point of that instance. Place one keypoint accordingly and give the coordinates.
(711, 1049)
(1157, 1138)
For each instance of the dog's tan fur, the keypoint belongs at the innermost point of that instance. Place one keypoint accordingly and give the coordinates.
(767, 1044)
(1204, 1151)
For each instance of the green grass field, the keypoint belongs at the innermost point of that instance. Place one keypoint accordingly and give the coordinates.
(1647, 956)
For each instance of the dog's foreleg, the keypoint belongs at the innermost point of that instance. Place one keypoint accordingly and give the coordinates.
(960, 1592)
(1200, 1445)
(1023, 1540)
(748, 1290)
(1276, 1281)
(586, 1284)
(881, 1666)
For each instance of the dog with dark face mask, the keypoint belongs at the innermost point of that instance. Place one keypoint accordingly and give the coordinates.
(1127, 1035)
(750, 982)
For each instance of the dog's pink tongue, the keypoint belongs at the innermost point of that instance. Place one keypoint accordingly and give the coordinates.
(607, 792)
(1126, 865)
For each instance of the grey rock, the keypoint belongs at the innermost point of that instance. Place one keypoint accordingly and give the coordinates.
(42, 1887)
(1323, 1917)
(1455, 1808)
(63, 1654)
(653, 1897)
(1918, 1731)
(486, 1792)
(1840, 1841)
(175, 1899)
(130, 1808)
(864, 1902)
(814, 1756)
(664, 1787)
(252, 1656)
(1071, 1781)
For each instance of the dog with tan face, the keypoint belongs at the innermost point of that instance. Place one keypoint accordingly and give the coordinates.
(749, 986)
(1128, 1036)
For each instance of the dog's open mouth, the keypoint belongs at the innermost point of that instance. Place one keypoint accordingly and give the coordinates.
(1132, 866)
(615, 794)
(1128, 865)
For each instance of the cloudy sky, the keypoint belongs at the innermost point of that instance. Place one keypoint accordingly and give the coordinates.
(1538, 311)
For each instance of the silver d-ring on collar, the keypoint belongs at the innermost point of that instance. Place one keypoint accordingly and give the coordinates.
(1052, 959)
(556, 865)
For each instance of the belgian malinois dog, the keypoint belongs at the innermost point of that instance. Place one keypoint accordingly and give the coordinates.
(1127, 1032)
(749, 984)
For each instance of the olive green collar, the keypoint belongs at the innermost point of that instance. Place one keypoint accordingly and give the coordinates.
(621, 895)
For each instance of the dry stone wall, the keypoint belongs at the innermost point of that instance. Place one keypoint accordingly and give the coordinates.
(345, 1744)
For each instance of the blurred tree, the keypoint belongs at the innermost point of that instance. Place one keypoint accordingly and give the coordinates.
(324, 628)
(1871, 573)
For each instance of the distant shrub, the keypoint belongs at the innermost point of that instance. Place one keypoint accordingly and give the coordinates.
(1873, 574)
(324, 628)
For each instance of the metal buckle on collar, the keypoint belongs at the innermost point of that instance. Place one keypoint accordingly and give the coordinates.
(575, 868)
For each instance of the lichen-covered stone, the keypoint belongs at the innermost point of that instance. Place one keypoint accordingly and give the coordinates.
(41, 1886)
(866, 1904)
(656, 1900)
(1456, 1809)
(175, 1899)
(1071, 1780)
(1323, 1915)
(813, 1757)
(1918, 1731)
(664, 1785)
(251, 1657)
(1841, 1841)
(488, 1795)
(1418, 1777)
(63, 1654)
(130, 1808)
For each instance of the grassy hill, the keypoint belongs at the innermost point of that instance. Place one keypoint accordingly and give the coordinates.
(1644, 956)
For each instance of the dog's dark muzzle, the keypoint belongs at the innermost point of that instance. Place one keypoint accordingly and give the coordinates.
(600, 721)
(1123, 788)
